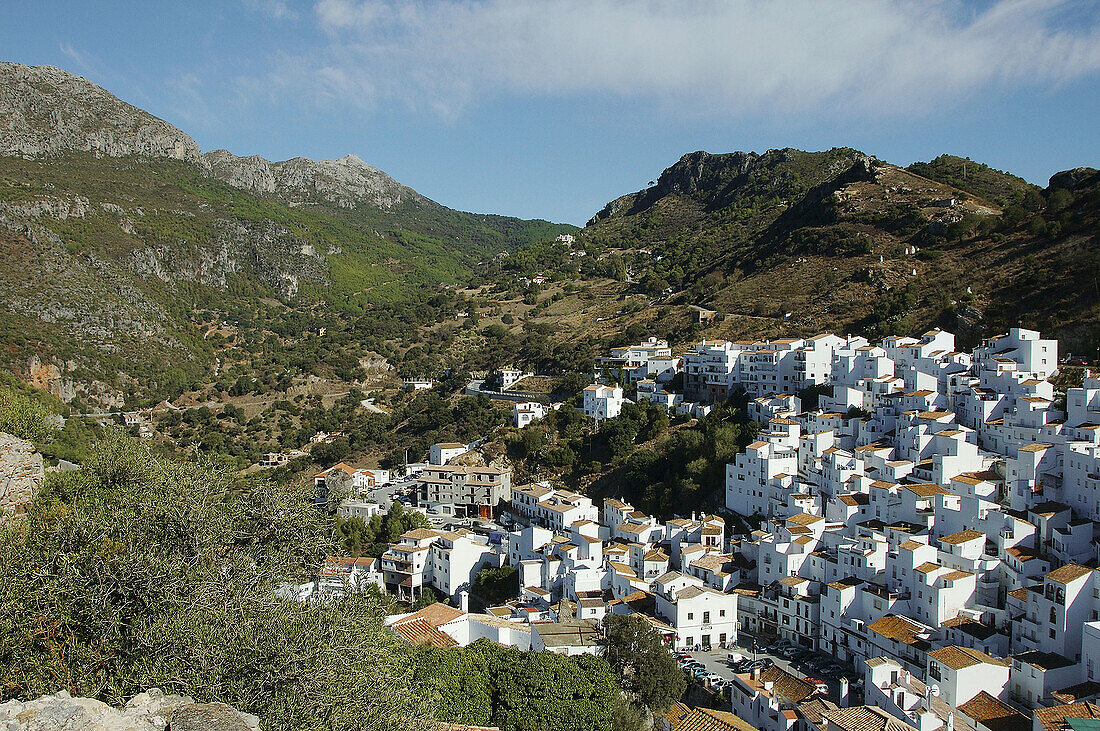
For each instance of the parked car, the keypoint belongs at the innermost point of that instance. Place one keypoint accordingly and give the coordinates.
(733, 658)
(762, 664)
(699, 673)
(714, 678)
(821, 685)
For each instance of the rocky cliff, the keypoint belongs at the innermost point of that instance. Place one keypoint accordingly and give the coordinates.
(152, 710)
(45, 111)
(715, 181)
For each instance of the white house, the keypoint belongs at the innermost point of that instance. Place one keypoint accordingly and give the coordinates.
(526, 412)
(443, 452)
(700, 615)
(957, 674)
(602, 402)
(456, 557)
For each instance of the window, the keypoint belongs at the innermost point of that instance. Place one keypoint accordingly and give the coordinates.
(721, 612)
(706, 617)
(1052, 633)
(691, 615)
(934, 671)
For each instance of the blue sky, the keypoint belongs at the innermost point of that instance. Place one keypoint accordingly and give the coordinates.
(550, 108)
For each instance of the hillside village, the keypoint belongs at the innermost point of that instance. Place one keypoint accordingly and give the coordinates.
(802, 434)
(922, 549)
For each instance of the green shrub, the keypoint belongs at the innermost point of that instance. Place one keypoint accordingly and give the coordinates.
(136, 572)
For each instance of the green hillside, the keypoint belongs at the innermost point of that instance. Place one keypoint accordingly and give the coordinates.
(126, 252)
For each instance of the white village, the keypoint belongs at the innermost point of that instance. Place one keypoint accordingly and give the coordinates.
(923, 558)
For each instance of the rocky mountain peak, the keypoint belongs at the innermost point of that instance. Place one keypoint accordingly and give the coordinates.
(45, 111)
(714, 180)
(346, 182)
(1074, 178)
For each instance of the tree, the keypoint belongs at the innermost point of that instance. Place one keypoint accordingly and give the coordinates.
(486, 684)
(495, 586)
(635, 652)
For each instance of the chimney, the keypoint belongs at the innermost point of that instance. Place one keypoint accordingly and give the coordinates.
(843, 697)
(464, 600)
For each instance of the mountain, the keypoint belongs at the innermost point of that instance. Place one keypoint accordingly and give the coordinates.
(347, 182)
(45, 111)
(139, 244)
(797, 242)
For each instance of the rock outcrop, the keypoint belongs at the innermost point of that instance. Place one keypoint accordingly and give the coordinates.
(152, 710)
(347, 182)
(1074, 179)
(717, 180)
(45, 111)
(21, 472)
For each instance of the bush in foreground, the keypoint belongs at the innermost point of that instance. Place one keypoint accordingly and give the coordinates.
(138, 572)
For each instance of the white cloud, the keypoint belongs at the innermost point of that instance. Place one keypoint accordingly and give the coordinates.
(717, 57)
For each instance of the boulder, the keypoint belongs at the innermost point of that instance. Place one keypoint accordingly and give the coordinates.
(152, 710)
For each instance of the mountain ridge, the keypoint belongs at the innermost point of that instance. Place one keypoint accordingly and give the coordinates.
(840, 239)
(46, 111)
